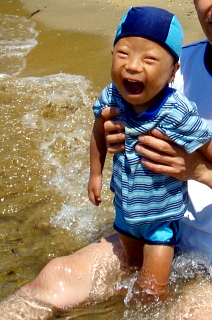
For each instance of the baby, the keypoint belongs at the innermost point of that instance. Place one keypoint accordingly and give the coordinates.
(149, 207)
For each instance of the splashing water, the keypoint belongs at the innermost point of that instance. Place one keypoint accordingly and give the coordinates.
(45, 133)
(189, 291)
(57, 111)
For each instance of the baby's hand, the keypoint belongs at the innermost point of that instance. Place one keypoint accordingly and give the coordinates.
(94, 190)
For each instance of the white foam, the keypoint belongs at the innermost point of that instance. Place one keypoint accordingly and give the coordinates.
(60, 112)
(17, 39)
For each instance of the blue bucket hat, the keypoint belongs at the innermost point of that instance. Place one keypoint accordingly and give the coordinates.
(155, 24)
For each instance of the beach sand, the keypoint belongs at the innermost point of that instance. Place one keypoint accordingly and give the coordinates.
(76, 37)
(103, 16)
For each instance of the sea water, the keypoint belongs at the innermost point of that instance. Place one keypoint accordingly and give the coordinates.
(45, 127)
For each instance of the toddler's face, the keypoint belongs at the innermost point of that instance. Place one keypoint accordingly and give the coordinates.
(141, 69)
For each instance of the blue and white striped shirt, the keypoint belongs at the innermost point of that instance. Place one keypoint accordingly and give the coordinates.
(145, 196)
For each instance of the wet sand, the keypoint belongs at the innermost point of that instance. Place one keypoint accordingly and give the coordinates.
(102, 16)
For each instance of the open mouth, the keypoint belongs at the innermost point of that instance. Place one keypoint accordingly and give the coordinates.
(133, 87)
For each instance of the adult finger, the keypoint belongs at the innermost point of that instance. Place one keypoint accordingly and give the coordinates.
(166, 147)
(159, 168)
(115, 137)
(110, 112)
(157, 156)
(113, 126)
(160, 135)
(115, 148)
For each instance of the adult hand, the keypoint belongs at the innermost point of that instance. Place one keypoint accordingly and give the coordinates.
(114, 130)
(162, 155)
(158, 152)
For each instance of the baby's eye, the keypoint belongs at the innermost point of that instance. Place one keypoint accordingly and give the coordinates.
(122, 52)
(150, 59)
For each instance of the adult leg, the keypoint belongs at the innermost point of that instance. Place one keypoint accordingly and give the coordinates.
(87, 275)
(69, 280)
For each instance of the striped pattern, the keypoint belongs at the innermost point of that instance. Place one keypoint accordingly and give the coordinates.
(144, 196)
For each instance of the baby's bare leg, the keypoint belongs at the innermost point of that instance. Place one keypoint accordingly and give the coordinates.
(133, 251)
(154, 261)
(156, 268)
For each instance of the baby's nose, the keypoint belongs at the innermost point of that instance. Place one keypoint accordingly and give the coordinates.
(134, 65)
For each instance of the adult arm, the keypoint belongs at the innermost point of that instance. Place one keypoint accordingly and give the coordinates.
(162, 155)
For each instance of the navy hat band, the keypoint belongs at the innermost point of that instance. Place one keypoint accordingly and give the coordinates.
(155, 24)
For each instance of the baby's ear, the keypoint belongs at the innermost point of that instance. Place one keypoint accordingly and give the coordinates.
(112, 51)
(177, 66)
(174, 70)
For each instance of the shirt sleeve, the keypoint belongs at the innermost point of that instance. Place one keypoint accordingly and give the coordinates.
(101, 102)
(185, 127)
(108, 97)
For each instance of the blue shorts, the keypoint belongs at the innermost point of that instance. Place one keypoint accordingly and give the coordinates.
(159, 233)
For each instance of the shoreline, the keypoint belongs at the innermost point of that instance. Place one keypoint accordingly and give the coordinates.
(78, 38)
(103, 16)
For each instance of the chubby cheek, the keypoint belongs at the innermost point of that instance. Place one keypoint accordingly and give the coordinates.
(167, 75)
(112, 73)
(116, 77)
